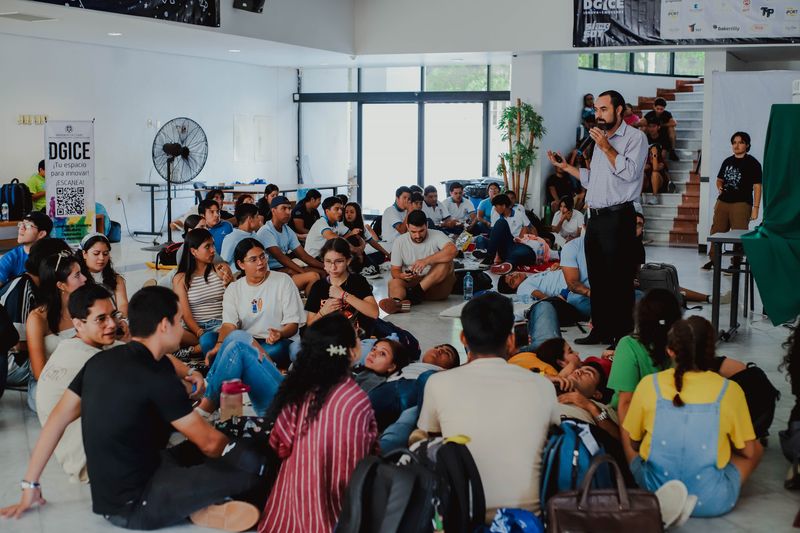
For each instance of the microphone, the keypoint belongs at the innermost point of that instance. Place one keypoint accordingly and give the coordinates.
(587, 142)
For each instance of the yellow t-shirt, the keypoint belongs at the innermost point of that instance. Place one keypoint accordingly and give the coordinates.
(529, 361)
(735, 426)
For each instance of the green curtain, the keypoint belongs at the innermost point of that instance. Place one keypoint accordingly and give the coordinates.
(773, 249)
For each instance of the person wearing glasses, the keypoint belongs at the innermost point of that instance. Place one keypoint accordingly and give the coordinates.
(30, 229)
(265, 305)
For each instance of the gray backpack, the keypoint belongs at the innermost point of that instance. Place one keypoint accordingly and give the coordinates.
(661, 276)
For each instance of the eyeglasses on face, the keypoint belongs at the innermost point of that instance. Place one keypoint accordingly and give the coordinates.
(27, 224)
(336, 262)
(100, 320)
(256, 258)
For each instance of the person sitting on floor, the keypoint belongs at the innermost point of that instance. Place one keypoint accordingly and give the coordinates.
(393, 221)
(467, 400)
(95, 259)
(483, 215)
(324, 426)
(263, 204)
(386, 357)
(436, 214)
(262, 303)
(305, 213)
(129, 402)
(282, 245)
(367, 240)
(459, 207)
(505, 228)
(35, 226)
(328, 227)
(209, 210)
(690, 424)
(422, 266)
(416, 201)
(567, 222)
(93, 315)
(248, 222)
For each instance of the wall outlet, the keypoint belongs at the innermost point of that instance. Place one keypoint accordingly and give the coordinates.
(119, 198)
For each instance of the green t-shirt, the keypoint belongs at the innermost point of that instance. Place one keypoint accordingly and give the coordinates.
(632, 362)
(36, 184)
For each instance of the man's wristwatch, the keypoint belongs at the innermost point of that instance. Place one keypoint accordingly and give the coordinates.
(602, 416)
(25, 484)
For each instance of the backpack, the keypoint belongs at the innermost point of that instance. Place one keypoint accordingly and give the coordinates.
(567, 456)
(18, 197)
(168, 255)
(761, 397)
(480, 281)
(376, 225)
(662, 276)
(114, 232)
(381, 328)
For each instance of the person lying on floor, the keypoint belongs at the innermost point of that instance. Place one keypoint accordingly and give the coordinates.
(384, 359)
(583, 395)
(136, 482)
(692, 425)
(553, 357)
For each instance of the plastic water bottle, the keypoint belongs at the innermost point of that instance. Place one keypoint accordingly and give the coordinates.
(4, 216)
(540, 254)
(230, 399)
(469, 283)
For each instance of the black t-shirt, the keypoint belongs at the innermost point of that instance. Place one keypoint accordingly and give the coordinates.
(355, 284)
(662, 119)
(662, 138)
(264, 209)
(128, 400)
(738, 176)
(309, 218)
(566, 185)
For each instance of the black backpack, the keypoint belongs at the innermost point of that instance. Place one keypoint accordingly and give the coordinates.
(405, 492)
(761, 397)
(480, 281)
(18, 197)
(168, 255)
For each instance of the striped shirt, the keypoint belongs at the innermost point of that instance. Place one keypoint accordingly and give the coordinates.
(318, 459)
(205, 297)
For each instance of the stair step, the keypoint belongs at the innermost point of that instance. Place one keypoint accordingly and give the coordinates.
(660, 211)
(688, 144)
(685, 115)
(677, 238)
(685, 105)
(658, 223)
(693, 96)
(686, 211)
(657, 236)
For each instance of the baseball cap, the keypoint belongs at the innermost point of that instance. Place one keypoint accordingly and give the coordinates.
(279, 200)
(41, 221)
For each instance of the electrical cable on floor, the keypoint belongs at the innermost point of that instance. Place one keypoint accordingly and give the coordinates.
(128, 226)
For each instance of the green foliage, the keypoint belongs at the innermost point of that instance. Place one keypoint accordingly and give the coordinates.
(522, 154)
(456, 78)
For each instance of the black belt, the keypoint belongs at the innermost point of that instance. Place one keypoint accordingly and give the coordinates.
(609, 209)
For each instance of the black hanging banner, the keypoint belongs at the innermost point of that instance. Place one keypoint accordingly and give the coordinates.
(604, 23)
(199, 12)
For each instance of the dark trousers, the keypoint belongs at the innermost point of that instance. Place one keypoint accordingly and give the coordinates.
(501, 242)
(610, 247)
(186, 481)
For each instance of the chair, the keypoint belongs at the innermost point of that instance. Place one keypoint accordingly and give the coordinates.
(198, 194)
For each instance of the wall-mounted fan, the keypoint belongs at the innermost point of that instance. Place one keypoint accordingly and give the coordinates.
(180, 150)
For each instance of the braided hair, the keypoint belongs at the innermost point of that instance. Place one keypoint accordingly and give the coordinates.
(687, 339)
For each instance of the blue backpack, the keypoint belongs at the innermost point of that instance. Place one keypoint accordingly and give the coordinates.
(566, 459)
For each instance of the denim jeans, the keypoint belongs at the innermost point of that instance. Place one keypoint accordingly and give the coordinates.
(390, 399)
(210, 334)
(283, 352)
(238, 359)
(543, 321)
(501, 242)
(18, 375)
(396, 436)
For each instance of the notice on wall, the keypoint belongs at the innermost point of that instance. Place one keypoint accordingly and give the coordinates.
(69, 175)
(692, 22)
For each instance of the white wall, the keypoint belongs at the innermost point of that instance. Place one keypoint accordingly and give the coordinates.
(631, 86)
(121, 89)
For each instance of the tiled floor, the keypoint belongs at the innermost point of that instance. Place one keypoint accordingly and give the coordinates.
(764, 506)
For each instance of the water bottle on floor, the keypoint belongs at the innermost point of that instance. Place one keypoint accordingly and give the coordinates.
(539, 254)
(469, 283)
(4, 213)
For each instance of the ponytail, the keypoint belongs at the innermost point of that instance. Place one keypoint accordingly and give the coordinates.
(681, 340)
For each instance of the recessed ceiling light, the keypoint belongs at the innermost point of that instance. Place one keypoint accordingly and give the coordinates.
(234, 50)
(114, 34)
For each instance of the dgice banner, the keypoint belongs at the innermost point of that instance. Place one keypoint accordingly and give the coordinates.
(69, 168)
(669, 22)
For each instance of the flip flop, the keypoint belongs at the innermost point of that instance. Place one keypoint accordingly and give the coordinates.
(393, 305)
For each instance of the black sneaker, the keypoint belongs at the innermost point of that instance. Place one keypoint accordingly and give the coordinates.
(708, 266)
(479, 254)
(593, 338)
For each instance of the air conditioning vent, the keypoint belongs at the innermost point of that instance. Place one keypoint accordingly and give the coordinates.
(24, 17)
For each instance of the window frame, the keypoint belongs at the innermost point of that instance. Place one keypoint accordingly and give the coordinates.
(631, 62)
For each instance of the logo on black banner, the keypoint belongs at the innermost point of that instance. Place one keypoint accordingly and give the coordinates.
(767, 12)
(595, 30)
(603, 7)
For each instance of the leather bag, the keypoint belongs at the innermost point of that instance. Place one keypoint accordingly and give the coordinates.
(604, 510)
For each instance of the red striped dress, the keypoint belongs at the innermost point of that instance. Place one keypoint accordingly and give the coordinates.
(317, 463)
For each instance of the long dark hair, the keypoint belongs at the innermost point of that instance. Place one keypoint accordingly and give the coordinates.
(316, 370)
(687, 339)
(656, 312)
(244, 246)
(338, 245)
(194, 239)
(358, 223)
(55, 268)
(791, 361)
(109, 274)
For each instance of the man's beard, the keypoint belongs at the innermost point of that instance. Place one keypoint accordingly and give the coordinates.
(606, 125)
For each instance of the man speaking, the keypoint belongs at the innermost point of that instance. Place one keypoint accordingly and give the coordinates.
(612, 184)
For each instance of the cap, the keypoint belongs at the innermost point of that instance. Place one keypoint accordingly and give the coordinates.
(279, 200)
(41, 221)
(601, 364)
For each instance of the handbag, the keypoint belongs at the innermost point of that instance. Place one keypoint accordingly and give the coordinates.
(603, 510)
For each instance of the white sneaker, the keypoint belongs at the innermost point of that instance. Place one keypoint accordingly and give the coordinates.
(686, 513)
(724, 298)
(370, 272)
(672, 497)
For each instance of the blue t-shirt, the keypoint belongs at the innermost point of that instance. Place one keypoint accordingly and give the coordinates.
(230, 241)
(286, 240)
(550, 282)
(485, 209)
(12, 264)
(218, 232)
(572, 255)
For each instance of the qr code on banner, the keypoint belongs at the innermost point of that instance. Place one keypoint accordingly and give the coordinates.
(70, 201)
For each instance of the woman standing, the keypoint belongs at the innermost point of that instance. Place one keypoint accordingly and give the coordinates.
(95, 258)
(324, 426)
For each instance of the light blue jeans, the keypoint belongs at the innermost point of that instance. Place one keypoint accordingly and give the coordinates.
(543, 320)
(210, 334)
(19, 375)
(238, 359)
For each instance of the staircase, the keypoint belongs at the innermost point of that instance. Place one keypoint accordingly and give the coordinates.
(674, 221)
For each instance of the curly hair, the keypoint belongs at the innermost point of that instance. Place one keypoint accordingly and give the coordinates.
(316, 371)
(791, 361)
(656, 312)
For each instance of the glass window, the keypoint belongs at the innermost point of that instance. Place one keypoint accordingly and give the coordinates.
(456, 78)
(613, 61)
(651, 62)
(690, 63)
(585, 60)
(500, 78)
(453, 143)
(328, 80)
(390, 79)
(496, 144)
(389, 153)
(326, 143)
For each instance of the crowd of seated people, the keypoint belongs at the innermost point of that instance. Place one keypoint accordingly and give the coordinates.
(297, 322)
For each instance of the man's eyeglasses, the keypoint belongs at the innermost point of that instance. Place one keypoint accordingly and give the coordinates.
(255, 258)
(27, 224)
(100, 320)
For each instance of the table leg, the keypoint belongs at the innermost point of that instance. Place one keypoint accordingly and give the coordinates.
(717, 260)
(734, 322)
(153, 209)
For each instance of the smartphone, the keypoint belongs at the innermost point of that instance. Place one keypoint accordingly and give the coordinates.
(521, 337)
(558, 158)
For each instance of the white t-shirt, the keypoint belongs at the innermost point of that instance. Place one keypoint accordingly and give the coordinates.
(506, 412)
(436, 213)
(461, 211)
(516, 221)
(406, 252)
(59, 371)
(392, 217)
(315, 241)
(571, 227)
(255, 309)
